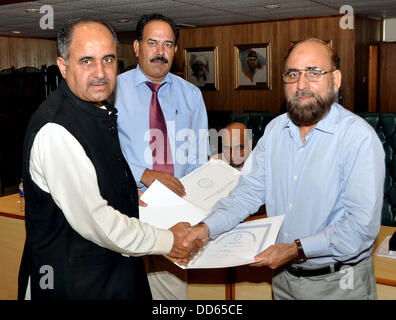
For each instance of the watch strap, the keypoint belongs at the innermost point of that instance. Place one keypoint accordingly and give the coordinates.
(301, 255)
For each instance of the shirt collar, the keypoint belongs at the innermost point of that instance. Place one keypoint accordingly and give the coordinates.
(141, 78)
(327, 124)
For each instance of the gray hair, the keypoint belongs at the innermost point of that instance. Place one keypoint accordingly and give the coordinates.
(66, 33)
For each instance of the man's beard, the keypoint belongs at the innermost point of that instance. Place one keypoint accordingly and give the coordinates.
(309, 113)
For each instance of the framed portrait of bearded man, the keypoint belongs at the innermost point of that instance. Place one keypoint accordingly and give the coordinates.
(252, 66)
(201, 67)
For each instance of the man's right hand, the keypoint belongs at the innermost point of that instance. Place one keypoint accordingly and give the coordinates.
(179, 250)
(166, 179)
(199, 232)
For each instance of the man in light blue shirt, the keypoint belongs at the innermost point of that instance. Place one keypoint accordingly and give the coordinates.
(185, 115)
(323, 168)
(186, 120)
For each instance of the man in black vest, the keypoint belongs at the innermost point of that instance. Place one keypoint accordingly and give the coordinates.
(83, 236)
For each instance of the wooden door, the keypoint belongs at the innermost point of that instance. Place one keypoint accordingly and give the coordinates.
(373, 79)
(388, 77)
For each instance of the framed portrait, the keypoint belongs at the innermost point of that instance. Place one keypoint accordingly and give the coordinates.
(252, 66)
(201, 67)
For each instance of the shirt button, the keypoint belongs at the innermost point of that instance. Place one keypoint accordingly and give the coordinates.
(290, 205)
(295, 177)
(286, 234)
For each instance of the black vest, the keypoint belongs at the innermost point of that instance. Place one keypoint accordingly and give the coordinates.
(81, 269)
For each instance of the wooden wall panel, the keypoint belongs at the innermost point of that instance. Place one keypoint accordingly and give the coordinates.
(367, 31)
(388, 77)
(373, 79)
(126, 53)
(279, 34)
(350, 45)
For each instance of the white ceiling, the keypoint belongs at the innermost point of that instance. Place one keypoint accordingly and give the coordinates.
(184, 12)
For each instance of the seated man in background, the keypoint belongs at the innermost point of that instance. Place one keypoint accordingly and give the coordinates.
(236, 144)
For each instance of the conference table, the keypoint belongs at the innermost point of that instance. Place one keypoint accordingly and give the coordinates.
(385, 268)
(10, 206)
(233, 283)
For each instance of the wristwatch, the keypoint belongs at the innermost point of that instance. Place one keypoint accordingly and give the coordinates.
(301, 255)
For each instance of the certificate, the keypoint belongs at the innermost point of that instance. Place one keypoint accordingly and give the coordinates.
(204, 187)
(237, 246)
(209, 183)
(165, 208)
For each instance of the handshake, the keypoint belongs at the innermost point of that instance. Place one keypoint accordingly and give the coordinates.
(188, 240)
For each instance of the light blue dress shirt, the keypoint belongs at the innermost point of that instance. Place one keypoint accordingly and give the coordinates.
(185, 116)
(330, 188)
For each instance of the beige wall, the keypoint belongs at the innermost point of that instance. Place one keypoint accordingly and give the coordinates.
(32, 52)
(23, 52)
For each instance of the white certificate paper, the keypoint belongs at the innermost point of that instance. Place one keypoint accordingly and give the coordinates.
(209, 183)
(238, 246)
(165, 208)
(204, 187)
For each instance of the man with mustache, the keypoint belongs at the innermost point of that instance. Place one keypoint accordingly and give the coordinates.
(322, 167)
(83, 236)
(162, 128)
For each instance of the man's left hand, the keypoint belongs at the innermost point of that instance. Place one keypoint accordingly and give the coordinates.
(276, 255)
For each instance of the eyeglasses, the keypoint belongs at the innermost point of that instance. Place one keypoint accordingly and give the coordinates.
(311, 74)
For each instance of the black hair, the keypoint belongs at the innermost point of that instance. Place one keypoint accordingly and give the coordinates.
(150, 17)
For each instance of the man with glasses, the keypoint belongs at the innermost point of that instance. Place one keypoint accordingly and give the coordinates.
(323, 167)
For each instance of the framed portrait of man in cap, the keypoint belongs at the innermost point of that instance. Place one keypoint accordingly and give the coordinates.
(201, 67)
(252, 66)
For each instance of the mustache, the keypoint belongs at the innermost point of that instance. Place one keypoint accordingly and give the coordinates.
(308, 113)
(95, 82)
(159, 58)
(303, 93)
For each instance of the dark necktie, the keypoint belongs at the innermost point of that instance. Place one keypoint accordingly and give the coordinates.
(159, 141)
